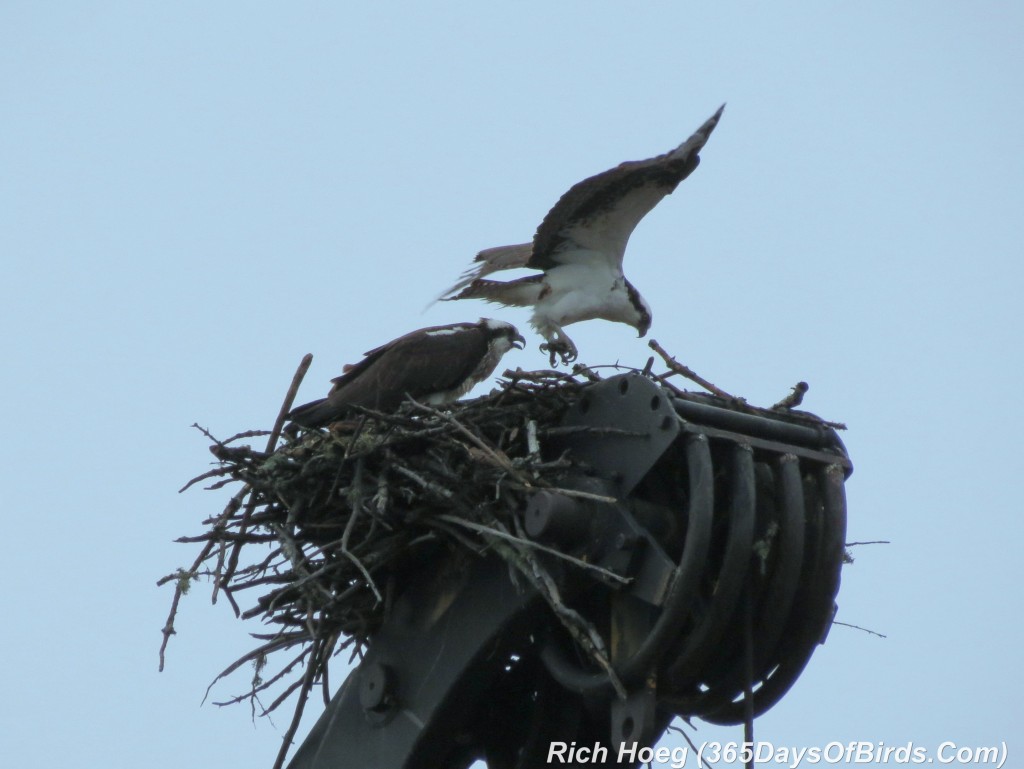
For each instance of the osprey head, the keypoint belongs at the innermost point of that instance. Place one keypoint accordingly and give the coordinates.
(505, 333)
(641, 319)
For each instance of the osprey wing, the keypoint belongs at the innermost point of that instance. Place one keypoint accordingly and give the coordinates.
(421, 363)
(600, 213)
(355, 381)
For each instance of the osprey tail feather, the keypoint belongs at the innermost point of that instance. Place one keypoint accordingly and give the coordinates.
(524, 292)
(491, 260)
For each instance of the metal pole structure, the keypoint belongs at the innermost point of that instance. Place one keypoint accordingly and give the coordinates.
(727, 526)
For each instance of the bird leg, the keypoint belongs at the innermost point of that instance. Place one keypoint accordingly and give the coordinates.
(562, 346)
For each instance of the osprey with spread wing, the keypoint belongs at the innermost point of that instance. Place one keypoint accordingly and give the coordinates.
(579, 249)
(436, 365)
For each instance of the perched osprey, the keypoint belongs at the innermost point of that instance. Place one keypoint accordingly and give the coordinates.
(579, 247)
(435, 365)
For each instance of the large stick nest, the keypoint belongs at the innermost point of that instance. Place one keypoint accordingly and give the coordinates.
(325, 522)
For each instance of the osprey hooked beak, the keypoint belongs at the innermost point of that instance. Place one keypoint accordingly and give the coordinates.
(519, 342)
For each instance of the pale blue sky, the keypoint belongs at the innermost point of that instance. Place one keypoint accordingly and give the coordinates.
(194, 195)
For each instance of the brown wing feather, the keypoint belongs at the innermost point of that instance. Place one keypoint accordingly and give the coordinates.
(419, 364)
(648, 180)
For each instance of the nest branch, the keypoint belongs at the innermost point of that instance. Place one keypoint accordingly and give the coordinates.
(678, 368)
(494, 531)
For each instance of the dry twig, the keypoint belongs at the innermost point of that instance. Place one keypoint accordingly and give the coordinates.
(690, 374)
